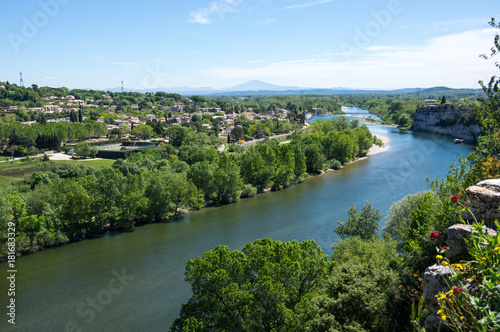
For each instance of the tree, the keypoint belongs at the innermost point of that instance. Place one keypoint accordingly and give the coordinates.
(268, 286)
(117, 132)
(300, 165)
(255, 170)
(363, 224)
(183, 195)
(443, 100)
(82, 149)
(195, 118)
(359, 292)
(487, 112)
(73, 117)
(237, 133)
(177, 135)
(400, 217)
(314, 162)
(226, 183)
(158, 194)
(143, 131)
(42, 119)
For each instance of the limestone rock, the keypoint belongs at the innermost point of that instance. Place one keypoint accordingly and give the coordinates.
(436, 279)
(484, 201)
(458, 248)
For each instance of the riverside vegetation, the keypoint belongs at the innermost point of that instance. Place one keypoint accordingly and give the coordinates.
(59, 203)
(373, 280)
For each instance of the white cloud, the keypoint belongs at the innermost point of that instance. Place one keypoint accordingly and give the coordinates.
(308, 4)
(451, 60)
(216, 8)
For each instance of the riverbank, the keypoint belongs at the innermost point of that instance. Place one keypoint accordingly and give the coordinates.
(378, 123)
(375, 149)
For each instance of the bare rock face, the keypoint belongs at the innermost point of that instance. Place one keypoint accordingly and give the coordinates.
(484, 201)
(458, 247)
(436, 279)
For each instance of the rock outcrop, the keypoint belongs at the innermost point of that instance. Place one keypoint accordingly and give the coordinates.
(447, 120)
(484, 200)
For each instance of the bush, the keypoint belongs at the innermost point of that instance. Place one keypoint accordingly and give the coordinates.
(236, 148)
(248, 191)
(333, 164)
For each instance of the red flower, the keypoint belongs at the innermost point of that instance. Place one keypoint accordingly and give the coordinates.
(434, 236)
(454, 199)
(457, 290)
(466, 203)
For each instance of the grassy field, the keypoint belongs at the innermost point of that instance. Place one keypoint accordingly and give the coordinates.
(11, 172)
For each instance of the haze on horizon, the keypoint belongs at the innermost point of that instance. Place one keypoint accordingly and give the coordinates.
(377, 44)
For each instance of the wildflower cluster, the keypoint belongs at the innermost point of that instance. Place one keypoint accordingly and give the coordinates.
(434, 236)
(474, 303)
(457, 310)
(456, 199)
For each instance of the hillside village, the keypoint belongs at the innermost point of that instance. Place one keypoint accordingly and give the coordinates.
(124, 111)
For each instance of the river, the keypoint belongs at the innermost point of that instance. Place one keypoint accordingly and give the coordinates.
(134, 281)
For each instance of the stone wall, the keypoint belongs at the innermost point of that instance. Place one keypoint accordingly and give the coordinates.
(431, 119)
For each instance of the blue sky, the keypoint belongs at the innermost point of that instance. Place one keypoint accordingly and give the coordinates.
(377, 44)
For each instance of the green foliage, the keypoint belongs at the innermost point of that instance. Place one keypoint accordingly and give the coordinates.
(248, 191)
(145, 132)
(82, 149)
(358, 294)
(400, 216)
(268, 286)
(487, 111)
(362, 224)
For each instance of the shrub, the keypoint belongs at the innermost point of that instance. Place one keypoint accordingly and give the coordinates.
(248, 191)
(333, 164)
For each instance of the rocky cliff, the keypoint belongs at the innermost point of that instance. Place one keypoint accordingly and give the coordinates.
(448, 120)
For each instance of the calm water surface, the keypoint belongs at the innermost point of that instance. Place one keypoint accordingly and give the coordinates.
(135, 281)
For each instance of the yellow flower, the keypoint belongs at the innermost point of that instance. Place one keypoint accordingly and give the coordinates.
(446, 263)
(439, 312)
(461, 317)
(420, 279)
(415, 275)
(458, 266)
(496, 248)
(443, 317)
(439, 257)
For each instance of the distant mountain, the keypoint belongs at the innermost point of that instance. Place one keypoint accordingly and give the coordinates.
(260, 88)
(256, 85)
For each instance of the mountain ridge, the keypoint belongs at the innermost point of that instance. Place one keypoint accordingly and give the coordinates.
(261, 88)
